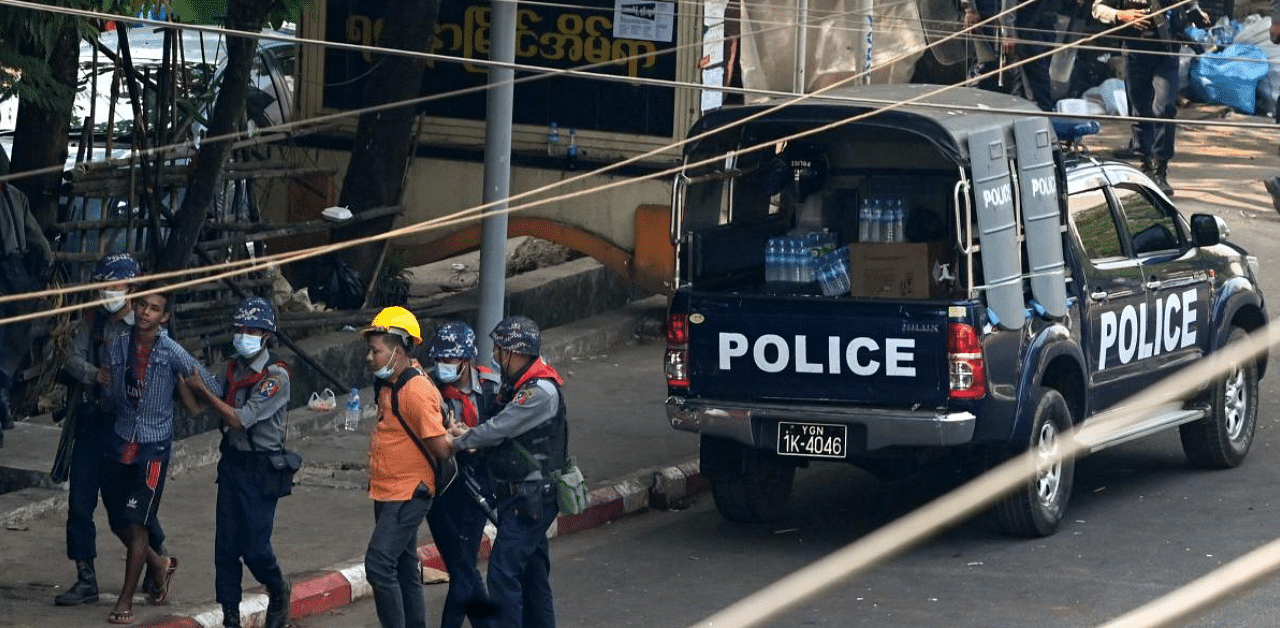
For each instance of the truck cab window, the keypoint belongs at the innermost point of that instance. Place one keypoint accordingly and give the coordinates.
(1151, 227)
(1095, 225)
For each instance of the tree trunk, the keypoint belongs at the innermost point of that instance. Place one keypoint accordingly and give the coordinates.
(41, 135)
(242, 15)
(384, 140)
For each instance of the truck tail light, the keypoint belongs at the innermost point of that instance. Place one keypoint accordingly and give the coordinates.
(676, 363)
(964, 362)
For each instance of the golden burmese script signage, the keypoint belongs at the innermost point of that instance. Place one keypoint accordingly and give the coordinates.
(584, 33)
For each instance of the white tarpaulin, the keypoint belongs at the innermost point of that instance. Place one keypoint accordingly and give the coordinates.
(769, 35)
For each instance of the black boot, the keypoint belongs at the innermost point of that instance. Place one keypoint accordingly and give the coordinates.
(1158, 170)
(230, 616)
(6, 411)
(85, 590)
(278, 607)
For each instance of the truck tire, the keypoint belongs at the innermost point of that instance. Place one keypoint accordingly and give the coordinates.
(1036, 507)
(748, 485)
(1222, 439)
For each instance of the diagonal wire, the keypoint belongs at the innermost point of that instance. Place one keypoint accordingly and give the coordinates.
(968, 499)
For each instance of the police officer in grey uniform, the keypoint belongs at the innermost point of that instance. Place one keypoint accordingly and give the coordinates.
(468, 391)
(253, 407)
(524, 444)
(92, 424)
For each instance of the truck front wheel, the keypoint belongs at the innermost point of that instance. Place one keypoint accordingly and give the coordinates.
(1036, 506)
(1222, 439)
(749, 485)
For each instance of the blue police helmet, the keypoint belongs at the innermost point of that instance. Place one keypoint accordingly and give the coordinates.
(454, 339)
(255, 313)
(116, 267)
(517, 334)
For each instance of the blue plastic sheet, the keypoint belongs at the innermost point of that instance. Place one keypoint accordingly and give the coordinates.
(1229, 77)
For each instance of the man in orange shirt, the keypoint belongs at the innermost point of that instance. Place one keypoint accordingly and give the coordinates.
(401, 478)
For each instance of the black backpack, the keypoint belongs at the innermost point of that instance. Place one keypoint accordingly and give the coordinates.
(446, 470)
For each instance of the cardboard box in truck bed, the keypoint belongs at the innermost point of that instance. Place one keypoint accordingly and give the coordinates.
(893, 270)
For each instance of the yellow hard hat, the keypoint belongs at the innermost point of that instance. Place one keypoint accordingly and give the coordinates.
(395, 320)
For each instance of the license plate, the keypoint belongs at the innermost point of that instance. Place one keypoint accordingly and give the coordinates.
(817, 440)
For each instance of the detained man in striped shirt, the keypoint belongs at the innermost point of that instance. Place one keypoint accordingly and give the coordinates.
(147, 367)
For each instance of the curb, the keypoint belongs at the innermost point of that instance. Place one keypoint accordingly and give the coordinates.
(592, 335)
(341, 584)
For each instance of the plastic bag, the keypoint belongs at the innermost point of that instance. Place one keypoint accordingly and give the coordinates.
(571, 489)
(1229, 77)
(1257, 31)
(322, 402)
(342, 288)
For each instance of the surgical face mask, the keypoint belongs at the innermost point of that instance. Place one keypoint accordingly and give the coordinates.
(247, 345)
(447, 373)
(386, 370)
(116, 299)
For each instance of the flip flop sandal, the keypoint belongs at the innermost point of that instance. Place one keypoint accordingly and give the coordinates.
(161, 596)
(120, 617)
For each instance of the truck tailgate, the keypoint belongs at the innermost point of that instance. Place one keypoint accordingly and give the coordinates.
(866, 352)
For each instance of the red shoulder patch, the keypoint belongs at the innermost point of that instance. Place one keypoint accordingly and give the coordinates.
(523, 396)
(268, 388)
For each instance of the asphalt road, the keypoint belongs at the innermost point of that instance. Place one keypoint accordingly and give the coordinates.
(1142, 522)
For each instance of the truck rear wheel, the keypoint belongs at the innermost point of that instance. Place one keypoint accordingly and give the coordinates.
(1036, 507)
(749, 485)
(1222, 439)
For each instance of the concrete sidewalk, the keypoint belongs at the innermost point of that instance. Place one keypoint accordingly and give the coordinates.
(619, 434)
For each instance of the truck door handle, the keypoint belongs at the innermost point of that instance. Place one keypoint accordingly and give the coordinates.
(1154, 284)
(1100, 295)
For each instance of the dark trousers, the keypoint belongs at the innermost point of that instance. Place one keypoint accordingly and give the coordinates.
(457, 527)
(391, 562)
(1151, 85)
(244, 522)
(1038, 28)
(93, 432)
(520, 563)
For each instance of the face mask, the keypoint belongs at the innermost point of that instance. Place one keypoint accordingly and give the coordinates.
(129, 318)
(247, 345)
(115, 300)
(447, 373)
(386, 370)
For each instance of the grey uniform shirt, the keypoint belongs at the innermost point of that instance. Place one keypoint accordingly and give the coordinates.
(532, 406)
(86, 350)
(262, 406)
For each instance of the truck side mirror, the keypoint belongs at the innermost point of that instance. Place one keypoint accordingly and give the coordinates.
(1208, 230)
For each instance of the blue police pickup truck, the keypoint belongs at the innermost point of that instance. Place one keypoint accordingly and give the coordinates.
(882, 287)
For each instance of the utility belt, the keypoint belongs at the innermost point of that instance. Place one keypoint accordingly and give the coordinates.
(503, 490)
(245, 459)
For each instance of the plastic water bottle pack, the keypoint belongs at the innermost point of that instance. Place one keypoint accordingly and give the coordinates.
(882, 219)
(794, 258)
(833, 272)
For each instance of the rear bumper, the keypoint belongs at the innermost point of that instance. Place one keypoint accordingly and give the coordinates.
(882, 427)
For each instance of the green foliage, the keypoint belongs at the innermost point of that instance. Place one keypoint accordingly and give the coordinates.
(215, 11)
(27, 38)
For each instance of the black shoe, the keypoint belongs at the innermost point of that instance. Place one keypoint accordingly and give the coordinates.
(230, 616)
(1273, 188)
(1127, 154)
(278, 607)
(85, 590)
